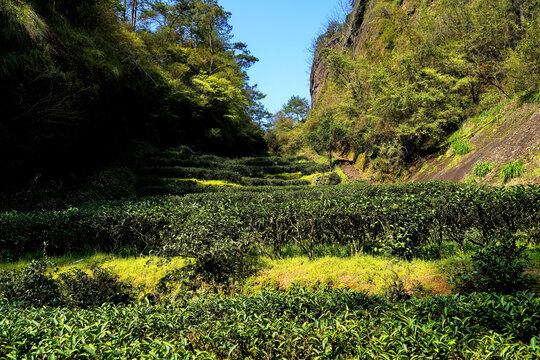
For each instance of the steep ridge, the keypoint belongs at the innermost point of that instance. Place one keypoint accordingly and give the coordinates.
(357, 30)
(508, 132)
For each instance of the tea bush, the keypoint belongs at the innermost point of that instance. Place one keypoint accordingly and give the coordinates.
(31, 286)
(102, 286)
(273, 182)
(498, 267)
(325, 323)
(402, 220)
(35, 286)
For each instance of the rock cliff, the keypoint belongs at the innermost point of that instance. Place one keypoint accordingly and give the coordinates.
(355, 31)
(509, 133)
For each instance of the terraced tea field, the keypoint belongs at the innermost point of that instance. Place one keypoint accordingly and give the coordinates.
(251, 258)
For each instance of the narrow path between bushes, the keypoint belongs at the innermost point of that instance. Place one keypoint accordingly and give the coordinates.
(348, 168)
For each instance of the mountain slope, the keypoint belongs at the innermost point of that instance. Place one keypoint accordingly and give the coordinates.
(497, 138)
(404, 81)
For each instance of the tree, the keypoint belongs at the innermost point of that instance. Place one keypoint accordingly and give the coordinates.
(297, 107)
(257, 111)
(325, 136)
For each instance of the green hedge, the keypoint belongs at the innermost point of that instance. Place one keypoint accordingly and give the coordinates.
(273, 182)
(404, 220)
(169, 166)
(297, 324)
(192, 173)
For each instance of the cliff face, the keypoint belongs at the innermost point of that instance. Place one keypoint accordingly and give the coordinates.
(351, 37)
(499, 124)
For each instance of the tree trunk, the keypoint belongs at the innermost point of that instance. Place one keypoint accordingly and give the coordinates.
(522, 14)
(134, 13)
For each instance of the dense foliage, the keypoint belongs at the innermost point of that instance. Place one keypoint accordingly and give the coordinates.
(416, 71)
(36, 286)
(404, 220)
(327, 324)
(173, 172)
(77, 82)
(498, 267)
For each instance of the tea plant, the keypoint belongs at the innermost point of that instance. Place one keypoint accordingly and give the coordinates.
(403, 220)
(36, 286)
(324, 323)
(498, 267)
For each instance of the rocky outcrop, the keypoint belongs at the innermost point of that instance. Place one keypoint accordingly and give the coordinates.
(512, 136)
(356, 30)
(319, 68)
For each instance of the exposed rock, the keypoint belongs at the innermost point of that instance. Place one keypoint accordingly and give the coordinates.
(513, 137)
(356, 31)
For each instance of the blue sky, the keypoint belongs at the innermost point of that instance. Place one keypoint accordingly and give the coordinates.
(279, 33)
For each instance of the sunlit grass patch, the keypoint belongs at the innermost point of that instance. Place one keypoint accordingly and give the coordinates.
(206, 182)
(341, 174)
(481, 169)
(286, 176)
(367, 273)
(142, 272)
(320, 175)
(461, 146)
(512, 170)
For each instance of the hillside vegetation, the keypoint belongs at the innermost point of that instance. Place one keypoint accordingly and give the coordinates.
(174, 251)
(393, 82)
(80, 80)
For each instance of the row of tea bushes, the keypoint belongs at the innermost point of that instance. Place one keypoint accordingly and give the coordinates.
(404, 220)
(162, 174)
(297, 324)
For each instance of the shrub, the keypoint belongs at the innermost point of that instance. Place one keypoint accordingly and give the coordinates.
(331, 179)
(403, 219)
(274, 324)
(34, 286)
(334, 179)
(512, 170)
(273, 182)
(483, 168)
(461, 146)
(31, 286)
(498, 267)
(102, 286)
(216, 240)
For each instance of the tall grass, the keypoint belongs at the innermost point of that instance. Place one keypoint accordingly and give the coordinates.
(461, 146)
(512, 170)
(483, 168)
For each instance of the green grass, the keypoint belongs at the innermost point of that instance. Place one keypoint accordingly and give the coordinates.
(483, 168)
(512, 170)
(461, 146)
(533, 96)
